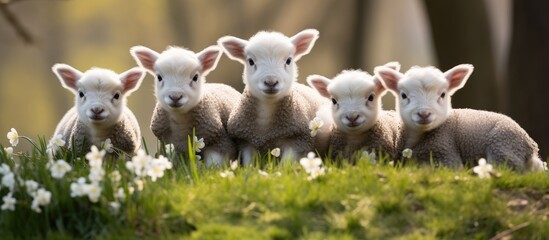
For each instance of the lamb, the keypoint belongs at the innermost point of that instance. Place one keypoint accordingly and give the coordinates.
(454, 137)
(360, 123)
(186, 102)
(275, 110)
(100, 112)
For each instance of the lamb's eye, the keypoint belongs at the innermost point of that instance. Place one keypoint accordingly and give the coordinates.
(159, 78)
(81, 94)
(195, 78)
(371, 97)
(288, 61)
(251, 61)
(443, 95)
(334, 101)
(116, 96)
(403, 95)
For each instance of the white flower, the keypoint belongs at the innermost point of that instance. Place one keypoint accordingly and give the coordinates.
(96, 175)
(93, 191)
(131, 189)
(9, 181)
(407, 153)
(234, 165)
(107, 145)
(275, 152)
(9, 202)
(545, 166)
(157, 167)
(78, 188)
(31, 187)
(114, 207)
(5, 169)
(163, 161)
(56, 142)
(139, 163)
(263, 173)
(315, 125)
(115, 176)
(227, 174)
(169, 149)
(95, 157)
(483, 169)
(155, 171)
(310, 163)
(198, 144)
(13, 136)
(42, 197)
(9, 152)
(315, 173)
(278, 174)
(120, 195)
(59, 168)
(138, 184)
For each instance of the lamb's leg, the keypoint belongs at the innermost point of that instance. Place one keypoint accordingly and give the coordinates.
(214, 158)
(535, 164)
(247, 155)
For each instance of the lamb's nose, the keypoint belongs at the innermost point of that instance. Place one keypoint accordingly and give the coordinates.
(424, 114)
(176, 98)
(271, 83)
(352, 118)
(97, 110)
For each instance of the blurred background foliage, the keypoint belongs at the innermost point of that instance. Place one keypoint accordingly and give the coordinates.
(507, 42)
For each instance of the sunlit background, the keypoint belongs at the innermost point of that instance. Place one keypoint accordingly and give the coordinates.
(506, 41)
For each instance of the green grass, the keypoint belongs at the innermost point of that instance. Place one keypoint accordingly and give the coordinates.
(360, 201)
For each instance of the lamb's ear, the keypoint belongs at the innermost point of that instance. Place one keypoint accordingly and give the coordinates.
(144, 57)
(131, 80)
(304, 42)
(457, 76)
(379, 84)
(234, 47)
(320, 83)
(389, 77)
(68, 75)
(209, 58)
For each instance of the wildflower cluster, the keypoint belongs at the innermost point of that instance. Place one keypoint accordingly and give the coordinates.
(91, 186)
(12, 180)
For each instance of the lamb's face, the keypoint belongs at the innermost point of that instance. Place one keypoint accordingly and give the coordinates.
(99, 100)
(355, 104)
(269, 60)
(179, 74)
(424, 102)
(355, 99)
(424, 93)
(178, 80)
(270, 70)
(100, 93)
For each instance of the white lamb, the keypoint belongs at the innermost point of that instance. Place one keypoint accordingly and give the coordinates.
(360, 122)
(186, 102)
(100, 112)
(454, 137)
(275, 110)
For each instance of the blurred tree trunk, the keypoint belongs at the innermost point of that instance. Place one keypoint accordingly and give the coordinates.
(179, 20)
(55, 52)
(358, 34)
(528, 70)
(461, 34)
